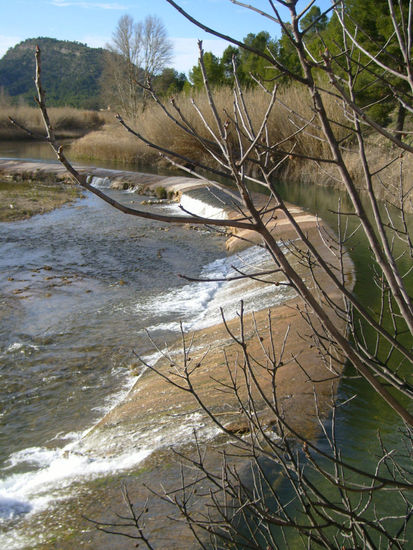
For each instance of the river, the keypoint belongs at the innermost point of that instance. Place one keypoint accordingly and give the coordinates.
(79, 288)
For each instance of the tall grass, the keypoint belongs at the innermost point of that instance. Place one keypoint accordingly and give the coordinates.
(113, 143)
(288, 116)
(67, 121)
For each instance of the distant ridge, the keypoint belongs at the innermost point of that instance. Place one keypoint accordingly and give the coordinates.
(71, 72)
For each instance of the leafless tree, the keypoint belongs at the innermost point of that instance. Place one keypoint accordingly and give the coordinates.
(332, 503)
(137, 51)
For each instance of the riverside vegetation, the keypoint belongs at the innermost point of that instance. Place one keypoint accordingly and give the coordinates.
(24, 196)
(98, 136)
(104, 139)
(111, 142)
(69, 122)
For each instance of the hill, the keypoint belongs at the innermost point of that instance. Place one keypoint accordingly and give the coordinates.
(71, 72)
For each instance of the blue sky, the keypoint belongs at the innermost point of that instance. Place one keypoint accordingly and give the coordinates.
(93, 21)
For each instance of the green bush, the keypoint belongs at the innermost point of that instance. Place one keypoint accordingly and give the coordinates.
(161, 193)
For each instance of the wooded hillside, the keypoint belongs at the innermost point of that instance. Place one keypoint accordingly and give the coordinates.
(71, 72)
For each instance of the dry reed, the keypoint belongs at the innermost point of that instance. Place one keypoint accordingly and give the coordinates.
(289, 114)
(67, 121)
(111, 143)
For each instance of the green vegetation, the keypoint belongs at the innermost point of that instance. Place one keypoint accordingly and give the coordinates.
(371, 89)
(78, 76)
(249, 65)
(74, 74)
(321, 35)
(105, 140)
(161, 193)
(112, 142)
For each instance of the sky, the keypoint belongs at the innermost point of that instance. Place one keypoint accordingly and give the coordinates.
(93, 22)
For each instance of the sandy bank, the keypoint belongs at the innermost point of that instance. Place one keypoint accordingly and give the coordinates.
(287, 368)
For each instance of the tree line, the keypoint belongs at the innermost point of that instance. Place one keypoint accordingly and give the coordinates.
(322, 34)
(145, 51)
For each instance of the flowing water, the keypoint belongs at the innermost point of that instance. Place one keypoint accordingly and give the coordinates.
(79, 286)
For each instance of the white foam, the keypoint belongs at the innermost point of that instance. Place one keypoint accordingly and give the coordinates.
(198, 305)
(189, 299)
(132, 189)
(20, 346)
(14, 347)
(98, 182)
(173, 326)
(200, 208)
(104, 453)
(113, 399)
(57, 469)
(92, 453)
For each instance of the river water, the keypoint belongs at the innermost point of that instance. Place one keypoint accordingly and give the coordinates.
(78, 289)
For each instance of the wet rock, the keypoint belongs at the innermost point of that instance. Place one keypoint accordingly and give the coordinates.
(238, 427)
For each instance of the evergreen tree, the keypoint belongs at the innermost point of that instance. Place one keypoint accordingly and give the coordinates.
(169, 82)
(229, 53)
(369, 20)
(214, 70)
(252, 64)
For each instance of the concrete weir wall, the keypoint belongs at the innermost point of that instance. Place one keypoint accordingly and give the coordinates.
(119, 179)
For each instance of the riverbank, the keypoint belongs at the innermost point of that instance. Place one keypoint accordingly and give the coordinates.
(216, 360)
(21, 200)
(112, 142)
(215, 352)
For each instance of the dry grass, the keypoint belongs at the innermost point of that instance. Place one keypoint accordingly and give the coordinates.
(67, 121)
(392, 171)
(112, 142)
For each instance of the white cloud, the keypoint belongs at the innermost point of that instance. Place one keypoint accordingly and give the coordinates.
(186, 51)
(7, 42)
(88, 5)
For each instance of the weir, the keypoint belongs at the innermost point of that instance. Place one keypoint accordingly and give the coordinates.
(150, 417)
